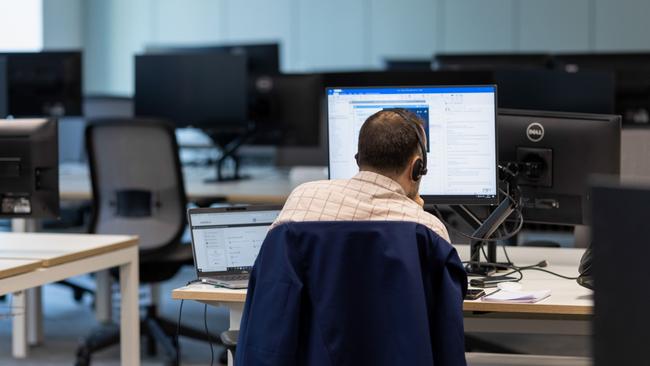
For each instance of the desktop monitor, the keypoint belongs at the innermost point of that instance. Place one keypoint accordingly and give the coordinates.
(29, 168)
(548, 90)
(206, 91)
(394, 64)
(287, 111)
(41, 84)
(555, 154)
(263, 58)
(460, 124)
(625, 65)
(632, 73)
(494, 61)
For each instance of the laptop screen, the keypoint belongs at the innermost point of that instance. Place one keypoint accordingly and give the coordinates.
(225, 240)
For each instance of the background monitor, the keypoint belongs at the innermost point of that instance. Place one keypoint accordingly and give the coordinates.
(632, 73)
(42, 84)
(460, 123)
(29, 168)
(206, 91)
(288, 110)
(547, 90)
(557, 153)
(393, 64)
(494, 61)
(262, 58)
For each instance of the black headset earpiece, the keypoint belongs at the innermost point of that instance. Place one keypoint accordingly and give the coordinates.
(416, 174)
(420, 164)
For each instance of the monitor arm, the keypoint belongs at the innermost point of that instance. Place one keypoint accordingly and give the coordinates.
(229, 143)
(484, 229)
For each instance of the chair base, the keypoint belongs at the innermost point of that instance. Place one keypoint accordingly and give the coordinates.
(78, 292)
(157, 332)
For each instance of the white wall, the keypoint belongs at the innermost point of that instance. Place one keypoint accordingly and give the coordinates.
(62, 25)
(344, 34)
(21, 24)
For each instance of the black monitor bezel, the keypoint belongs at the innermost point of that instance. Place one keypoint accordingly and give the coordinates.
(435, 199)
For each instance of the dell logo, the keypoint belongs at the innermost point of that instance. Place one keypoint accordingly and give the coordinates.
(535, 132)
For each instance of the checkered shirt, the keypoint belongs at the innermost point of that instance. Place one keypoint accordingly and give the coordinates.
(367, 196)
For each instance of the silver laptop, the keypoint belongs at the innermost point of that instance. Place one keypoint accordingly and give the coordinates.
(226, 241)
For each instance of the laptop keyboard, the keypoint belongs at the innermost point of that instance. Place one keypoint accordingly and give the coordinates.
(239, 277)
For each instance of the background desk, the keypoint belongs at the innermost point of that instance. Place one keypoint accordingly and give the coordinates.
(30, 260)
(266, 185)
(567, 311)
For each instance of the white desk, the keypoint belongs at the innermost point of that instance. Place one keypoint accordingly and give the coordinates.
(30, 260)
(266, 185)
(566, 311)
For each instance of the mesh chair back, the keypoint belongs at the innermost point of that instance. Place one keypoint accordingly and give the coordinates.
(137, 181)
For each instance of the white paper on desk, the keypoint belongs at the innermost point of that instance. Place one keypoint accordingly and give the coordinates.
(518, 296)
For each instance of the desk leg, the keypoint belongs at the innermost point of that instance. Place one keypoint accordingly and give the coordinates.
(103, 298)
(129, 314)
(34, 315)
(236, 311)
(19, 326)
(28, 327)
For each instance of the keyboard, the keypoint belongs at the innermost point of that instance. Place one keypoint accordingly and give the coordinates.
(237, 277)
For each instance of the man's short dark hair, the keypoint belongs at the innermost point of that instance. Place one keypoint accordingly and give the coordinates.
(387, 142)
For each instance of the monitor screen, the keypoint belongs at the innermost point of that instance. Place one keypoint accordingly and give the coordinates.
(460, 125)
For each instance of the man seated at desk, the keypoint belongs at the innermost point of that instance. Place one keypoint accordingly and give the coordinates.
(387, 294)
(391, 165)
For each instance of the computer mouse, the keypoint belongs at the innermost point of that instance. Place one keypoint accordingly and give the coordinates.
(509, 286)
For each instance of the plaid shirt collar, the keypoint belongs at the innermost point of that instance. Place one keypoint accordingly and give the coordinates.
(380, 180)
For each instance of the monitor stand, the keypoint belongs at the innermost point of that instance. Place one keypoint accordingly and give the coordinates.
(229, 142)
(485, 229)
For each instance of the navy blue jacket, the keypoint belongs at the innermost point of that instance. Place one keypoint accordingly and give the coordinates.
(354, 293)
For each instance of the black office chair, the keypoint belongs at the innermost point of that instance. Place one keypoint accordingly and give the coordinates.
(138, 190)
